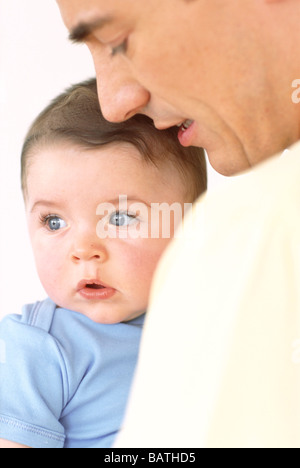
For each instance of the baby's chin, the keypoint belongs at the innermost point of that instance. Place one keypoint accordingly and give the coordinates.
(102, 314)
(110, 318)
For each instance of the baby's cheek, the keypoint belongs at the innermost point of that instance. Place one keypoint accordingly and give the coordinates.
(141, 261)
(50, 270)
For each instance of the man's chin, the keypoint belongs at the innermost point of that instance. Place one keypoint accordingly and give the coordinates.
(228, 164)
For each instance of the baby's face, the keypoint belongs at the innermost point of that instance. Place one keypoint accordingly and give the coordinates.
(89, 215)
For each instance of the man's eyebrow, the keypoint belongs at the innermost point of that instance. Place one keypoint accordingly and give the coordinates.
(80, 32)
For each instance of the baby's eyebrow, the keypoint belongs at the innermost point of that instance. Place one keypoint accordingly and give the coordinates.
(80, 32)
(128, 198)
(48, 203)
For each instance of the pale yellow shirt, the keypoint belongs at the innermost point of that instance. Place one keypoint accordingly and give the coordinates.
(220, 358)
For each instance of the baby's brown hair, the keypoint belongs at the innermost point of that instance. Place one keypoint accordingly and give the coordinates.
(75, 116)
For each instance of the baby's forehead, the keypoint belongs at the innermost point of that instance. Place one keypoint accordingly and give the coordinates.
(114, 169)
(118, 166)
(124, 153)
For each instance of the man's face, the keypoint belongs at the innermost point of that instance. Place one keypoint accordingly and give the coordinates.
(195, 61)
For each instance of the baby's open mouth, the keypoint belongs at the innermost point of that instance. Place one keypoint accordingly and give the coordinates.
(93, 289)
(90, 284)
(94, 286)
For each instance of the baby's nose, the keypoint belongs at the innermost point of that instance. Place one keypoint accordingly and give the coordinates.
(88, 252)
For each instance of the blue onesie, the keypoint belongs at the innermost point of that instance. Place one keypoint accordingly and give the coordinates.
(64, 379)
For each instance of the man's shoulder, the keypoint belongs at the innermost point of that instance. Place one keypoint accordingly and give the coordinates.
(279, 175)
(269, 190)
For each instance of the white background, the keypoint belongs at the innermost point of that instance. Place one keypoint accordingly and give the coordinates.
(36, 63)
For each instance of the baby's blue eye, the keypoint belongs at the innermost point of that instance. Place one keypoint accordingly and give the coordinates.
(55, 223)
(121, 218)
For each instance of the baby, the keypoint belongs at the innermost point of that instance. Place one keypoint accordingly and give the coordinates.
(91, 189)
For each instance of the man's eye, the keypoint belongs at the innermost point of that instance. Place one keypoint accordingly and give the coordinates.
(54, 223)
(121, 218)
(120, 49)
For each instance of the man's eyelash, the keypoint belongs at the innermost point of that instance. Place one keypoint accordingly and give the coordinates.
(120, 49)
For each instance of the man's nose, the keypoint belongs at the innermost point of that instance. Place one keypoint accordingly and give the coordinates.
(120, 95)
(119, 103)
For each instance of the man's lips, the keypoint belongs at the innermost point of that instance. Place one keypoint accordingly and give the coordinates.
(186, 134)
(94, 289)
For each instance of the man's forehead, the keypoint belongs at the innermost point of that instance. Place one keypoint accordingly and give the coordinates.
(76, 12)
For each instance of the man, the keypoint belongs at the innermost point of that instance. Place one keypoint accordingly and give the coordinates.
(220, 355)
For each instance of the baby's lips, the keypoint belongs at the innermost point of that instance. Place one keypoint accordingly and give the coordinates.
(92, 282)
(95, 290)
